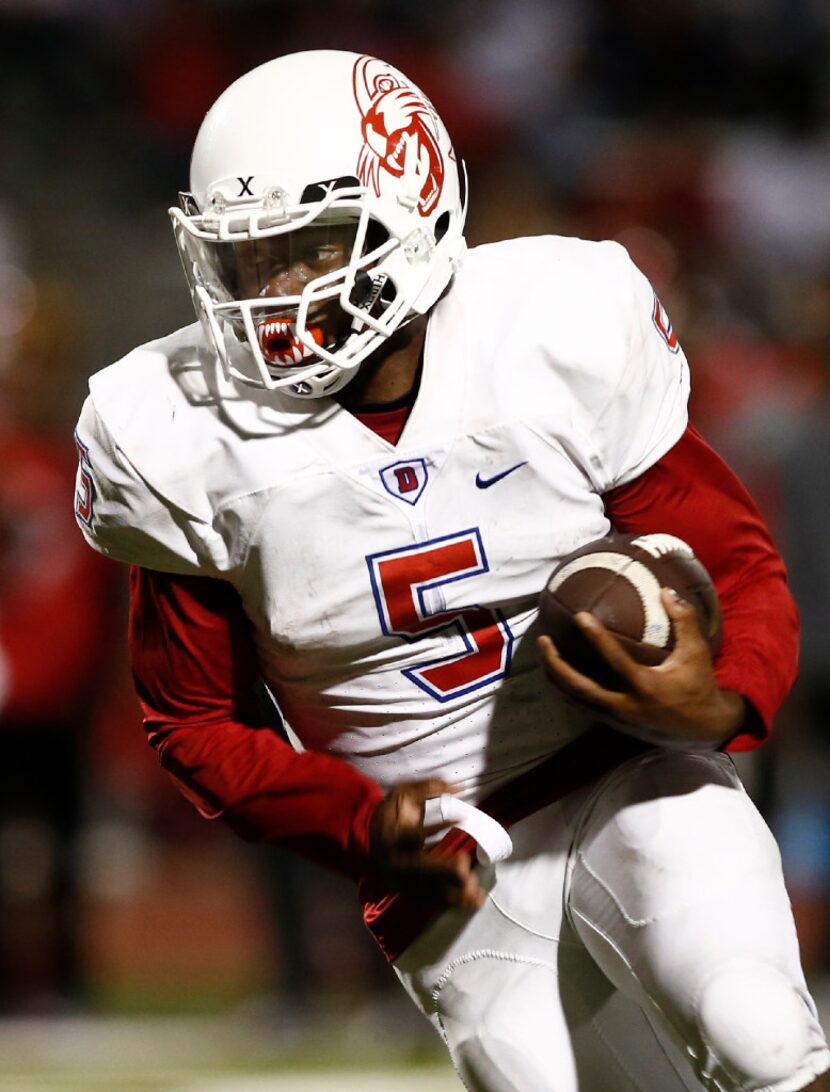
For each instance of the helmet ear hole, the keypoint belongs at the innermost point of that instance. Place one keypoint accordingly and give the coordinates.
(441, 226)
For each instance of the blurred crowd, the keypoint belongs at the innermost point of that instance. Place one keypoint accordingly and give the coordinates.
(697, 134)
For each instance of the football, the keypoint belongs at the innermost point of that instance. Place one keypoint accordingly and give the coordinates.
(618, 579)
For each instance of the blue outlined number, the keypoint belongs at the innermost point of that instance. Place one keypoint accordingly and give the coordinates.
(402, 581)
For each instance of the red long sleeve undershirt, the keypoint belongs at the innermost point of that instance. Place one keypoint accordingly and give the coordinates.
(693, 494)
(195, 666)
(195, 669)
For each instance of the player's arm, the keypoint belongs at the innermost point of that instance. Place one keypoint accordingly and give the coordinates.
(195, 668)
(687, 701)
(693, 491)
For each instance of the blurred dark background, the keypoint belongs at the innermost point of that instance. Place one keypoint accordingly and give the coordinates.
(696, 133)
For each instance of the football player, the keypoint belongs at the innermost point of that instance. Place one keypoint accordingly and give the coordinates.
(350, 480)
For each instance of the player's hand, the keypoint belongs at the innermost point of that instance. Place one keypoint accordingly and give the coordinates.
(676, 704)
(397, 836)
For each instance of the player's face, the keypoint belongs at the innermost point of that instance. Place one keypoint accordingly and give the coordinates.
(282, 266)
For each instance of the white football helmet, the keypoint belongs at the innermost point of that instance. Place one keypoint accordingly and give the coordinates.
(321, 182)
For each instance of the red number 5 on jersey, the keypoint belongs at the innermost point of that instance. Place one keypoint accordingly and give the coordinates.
(407, 588)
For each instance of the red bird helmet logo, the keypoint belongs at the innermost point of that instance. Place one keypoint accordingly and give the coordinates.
(396, 115)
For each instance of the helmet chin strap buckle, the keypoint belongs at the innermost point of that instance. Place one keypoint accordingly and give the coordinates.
(418, 246)
(274, 204)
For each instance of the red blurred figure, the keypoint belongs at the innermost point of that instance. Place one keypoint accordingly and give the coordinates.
(54, 606)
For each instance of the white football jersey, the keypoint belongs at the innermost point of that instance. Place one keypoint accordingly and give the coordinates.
(393, 589)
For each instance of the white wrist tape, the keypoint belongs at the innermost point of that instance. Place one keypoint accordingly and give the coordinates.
(494, 842)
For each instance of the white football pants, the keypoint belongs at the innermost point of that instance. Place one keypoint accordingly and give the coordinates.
(639, 938)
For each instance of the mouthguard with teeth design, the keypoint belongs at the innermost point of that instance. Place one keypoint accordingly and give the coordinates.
(280, 344)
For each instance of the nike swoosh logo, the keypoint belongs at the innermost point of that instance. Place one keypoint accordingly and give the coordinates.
(485, 483)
